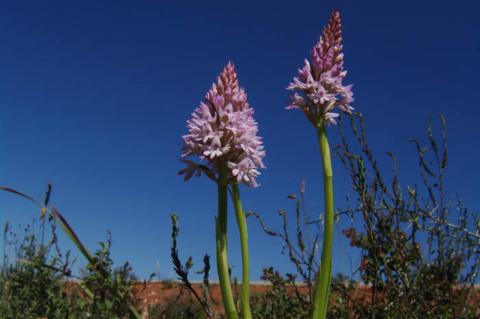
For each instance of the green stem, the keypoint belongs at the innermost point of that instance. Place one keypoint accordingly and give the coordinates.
(242, 227)
(322, 285)
(222, 260)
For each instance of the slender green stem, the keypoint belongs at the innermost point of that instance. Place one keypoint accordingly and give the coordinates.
(242, 227)
(222, 260)
(322, 285)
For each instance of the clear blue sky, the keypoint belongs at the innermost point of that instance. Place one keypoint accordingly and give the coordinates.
(94, 97)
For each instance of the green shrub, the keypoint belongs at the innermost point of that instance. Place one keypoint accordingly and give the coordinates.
(33, 285)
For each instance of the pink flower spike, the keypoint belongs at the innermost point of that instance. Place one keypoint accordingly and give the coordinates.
(318, 86)
(223, 133)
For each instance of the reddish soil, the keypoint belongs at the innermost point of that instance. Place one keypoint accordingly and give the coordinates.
(159, 292)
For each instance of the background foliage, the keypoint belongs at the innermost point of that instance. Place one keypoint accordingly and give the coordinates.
(419, 247)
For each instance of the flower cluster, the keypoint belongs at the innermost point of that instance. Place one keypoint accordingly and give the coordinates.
(223, 133)
(319, 82)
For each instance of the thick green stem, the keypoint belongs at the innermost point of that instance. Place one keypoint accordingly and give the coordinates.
(222, 260)
(242, 227)
(322, 285)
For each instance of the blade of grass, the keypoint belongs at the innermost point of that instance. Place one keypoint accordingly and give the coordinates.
(71, 234)
(30, 198)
